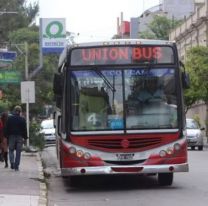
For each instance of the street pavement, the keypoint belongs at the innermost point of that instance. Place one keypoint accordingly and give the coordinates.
(25, 187)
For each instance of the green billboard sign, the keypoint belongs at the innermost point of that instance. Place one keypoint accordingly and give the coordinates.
(13, 77)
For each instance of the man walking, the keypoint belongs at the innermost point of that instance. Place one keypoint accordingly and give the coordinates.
(16, 132)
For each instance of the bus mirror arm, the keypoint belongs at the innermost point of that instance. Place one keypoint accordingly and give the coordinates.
(59, 126)
(185, 77)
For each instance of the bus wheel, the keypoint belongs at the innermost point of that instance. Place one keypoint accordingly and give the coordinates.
(165, 179)
(200, 147)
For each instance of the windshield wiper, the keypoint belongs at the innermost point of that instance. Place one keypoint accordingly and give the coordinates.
(100, 74)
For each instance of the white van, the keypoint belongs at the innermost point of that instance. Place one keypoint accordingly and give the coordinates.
(194, 134)
(48, 130)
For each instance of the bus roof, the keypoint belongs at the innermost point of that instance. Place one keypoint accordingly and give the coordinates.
(123, 42)
(112, 42)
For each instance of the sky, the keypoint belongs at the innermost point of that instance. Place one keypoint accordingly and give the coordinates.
(93, 19)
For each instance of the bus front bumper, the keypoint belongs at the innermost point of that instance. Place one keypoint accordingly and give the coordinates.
(108, 170)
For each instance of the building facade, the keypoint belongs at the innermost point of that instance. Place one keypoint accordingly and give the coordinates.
(193, 32)
(168, 8)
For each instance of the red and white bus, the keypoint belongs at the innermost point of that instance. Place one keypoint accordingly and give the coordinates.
(120, 109)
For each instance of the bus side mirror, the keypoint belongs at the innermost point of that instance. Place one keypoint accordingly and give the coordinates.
(58, 84)
(185, 80)
(58, 89)
(54, 119)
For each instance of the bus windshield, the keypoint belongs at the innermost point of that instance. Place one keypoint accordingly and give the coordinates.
(123, 99)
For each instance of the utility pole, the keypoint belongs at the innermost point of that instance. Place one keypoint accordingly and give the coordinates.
(27, 103)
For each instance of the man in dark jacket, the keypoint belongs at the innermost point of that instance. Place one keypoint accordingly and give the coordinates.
(16, 132)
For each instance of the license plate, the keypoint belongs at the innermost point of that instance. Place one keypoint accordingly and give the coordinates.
(191, 140)
(127, 156)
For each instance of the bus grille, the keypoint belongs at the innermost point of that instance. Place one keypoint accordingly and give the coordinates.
(125, 162)
(138, 143)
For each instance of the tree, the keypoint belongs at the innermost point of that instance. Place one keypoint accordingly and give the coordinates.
(147, 35)
(15, 14)
(197, 66)
(160, 28)
(23, 17)
(44, 79)
(16, 29)
(44, 84)
(15, 42)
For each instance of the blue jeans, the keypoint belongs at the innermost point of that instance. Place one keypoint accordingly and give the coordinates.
(15, 143)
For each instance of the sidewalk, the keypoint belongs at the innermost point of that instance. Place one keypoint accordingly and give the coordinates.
(25, 187)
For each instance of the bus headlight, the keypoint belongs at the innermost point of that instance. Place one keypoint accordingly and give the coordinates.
(80, 153)
(162, 153)
(72, 150)
(177, 146)
(170, 151)
(87, 156)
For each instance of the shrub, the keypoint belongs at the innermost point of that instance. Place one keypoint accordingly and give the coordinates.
(36, 138)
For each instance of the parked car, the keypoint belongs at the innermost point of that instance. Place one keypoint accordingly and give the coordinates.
(194, 134)
(48, 130)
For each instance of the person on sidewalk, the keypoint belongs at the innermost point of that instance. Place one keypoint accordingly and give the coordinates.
(3, 139)
(16, 132)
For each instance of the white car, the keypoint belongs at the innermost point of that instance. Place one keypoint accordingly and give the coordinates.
(48, 130)
(194, 134)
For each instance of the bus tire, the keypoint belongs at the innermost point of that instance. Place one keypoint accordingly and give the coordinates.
(200, 148)
(165, 179)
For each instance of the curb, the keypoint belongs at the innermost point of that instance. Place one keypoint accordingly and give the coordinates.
(43, 188)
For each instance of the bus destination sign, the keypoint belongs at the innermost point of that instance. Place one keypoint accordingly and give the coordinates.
(122, 55)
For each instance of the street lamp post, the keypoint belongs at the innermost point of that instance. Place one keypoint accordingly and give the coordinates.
(26, 79)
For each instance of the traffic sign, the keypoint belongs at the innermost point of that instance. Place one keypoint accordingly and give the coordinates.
(8, 55)
(28, 92)
(10, 77)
